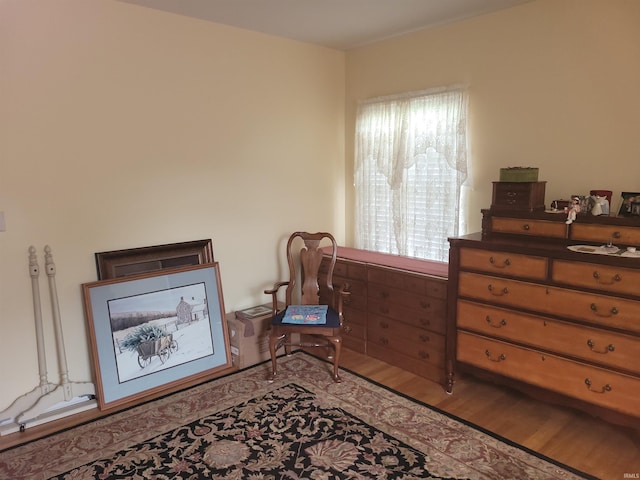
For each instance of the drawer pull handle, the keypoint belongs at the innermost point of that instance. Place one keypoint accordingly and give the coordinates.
(424, 338)
(425, 322)
(384, 294)
(615, 234)
(423, 354)
(606, 388)
(615, 278)
(502, 323)
(499, 359)
(425, 304)
(498, 293)
(384, 341)
(347, 329)
(384, 309)
(384, 325)
(526, 227)
(506, 262)
(614, 311)
(608, 348)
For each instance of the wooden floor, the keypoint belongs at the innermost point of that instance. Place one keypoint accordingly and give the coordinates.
(568, 436)
(571, 437)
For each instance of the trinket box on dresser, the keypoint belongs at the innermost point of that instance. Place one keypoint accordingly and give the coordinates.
(518, 191)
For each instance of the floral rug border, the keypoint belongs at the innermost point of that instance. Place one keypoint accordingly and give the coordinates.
(454, 447)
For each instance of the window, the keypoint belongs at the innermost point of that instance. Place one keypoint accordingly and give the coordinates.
(410, 165)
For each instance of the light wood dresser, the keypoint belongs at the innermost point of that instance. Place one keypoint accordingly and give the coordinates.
(559, 323)
(397, 310)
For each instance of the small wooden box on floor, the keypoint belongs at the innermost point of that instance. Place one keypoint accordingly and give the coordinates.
(249, 339)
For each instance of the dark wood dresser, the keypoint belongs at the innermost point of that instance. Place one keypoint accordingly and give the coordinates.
(397, 310)
(560, 323)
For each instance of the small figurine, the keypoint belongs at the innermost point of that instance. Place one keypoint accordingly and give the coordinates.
(573, 210)
(600, 206)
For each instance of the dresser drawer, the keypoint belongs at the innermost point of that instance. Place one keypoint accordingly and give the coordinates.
(353, 316)
(423, 346)
(596, 309)
(592, 344)
(605, 233)
(591, 384)
(357, 288)
(353, 330)
(380, 328)
(351, 270)
(357, 298)
(504, 263)
(598, 277)
(535, 228)
(419, 353)
(423, 368)
(423, 285)
(407, 299)
(430, 315)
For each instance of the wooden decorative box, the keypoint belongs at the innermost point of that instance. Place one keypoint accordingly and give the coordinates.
(518, 196)
(519, 174)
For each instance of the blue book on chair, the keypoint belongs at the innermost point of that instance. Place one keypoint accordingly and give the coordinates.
(305, 315)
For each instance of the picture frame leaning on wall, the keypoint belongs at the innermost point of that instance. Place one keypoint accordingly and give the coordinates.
(156, 331)
(134, 261)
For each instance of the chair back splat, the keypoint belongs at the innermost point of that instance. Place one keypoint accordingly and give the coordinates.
(308, 265)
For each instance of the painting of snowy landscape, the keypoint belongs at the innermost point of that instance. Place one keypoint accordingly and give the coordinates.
(156, 331)
(159, 330)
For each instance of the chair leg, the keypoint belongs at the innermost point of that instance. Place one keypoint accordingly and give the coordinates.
(287, 344)
(273, 347)
(337, 346)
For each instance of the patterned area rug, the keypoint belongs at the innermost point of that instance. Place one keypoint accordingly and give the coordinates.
(302, 426)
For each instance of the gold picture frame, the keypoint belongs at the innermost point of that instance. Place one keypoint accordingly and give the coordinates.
(184, 311)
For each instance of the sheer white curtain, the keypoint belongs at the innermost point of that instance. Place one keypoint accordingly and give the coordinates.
(410, 165)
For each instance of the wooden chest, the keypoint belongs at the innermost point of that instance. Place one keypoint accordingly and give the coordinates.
(353, 274)
(397, 310)
(406, 320)
(529, 312)
(518, 196)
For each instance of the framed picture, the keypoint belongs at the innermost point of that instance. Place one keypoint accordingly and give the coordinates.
(255, 312)
(154, 331)
(630, 204)
(134, 261)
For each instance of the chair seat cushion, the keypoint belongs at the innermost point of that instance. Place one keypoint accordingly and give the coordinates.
(333, 320)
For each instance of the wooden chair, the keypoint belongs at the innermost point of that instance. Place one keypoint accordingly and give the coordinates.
(303, 289)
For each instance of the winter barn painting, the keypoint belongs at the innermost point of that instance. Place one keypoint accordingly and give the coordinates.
(155, 330)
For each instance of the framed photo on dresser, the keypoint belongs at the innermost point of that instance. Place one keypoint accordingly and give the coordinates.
(629, 204)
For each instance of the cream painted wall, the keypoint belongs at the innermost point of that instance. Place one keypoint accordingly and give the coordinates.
(122, 126)
(553, 84)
